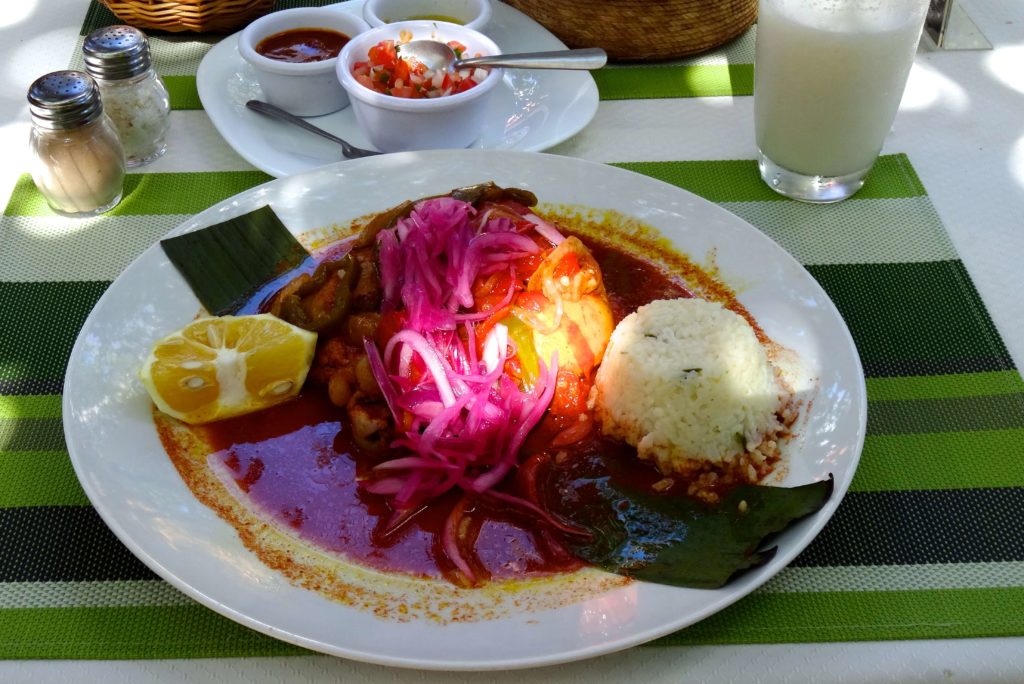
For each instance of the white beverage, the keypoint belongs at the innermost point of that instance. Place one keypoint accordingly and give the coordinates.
(829, 76)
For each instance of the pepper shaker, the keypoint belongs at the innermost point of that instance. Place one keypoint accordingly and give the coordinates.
(135, 97)
(77, 160)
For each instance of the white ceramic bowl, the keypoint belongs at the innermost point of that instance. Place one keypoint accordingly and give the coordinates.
(396, 124)
(304, 89)
(474, 14)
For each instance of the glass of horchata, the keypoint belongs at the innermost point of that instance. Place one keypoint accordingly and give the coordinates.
(828, 79)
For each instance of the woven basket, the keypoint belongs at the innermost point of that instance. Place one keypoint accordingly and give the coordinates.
(217, 16)
(642, 29)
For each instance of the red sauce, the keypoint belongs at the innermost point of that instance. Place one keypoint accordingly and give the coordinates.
(303, 45)
(632, 282)
(297, 463)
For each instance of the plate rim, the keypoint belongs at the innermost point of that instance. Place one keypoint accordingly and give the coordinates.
(197, 221)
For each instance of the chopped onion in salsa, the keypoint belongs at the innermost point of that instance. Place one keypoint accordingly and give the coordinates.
(386, 71)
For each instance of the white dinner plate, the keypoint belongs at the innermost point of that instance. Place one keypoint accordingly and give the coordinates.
(531, 110)
(136, 489)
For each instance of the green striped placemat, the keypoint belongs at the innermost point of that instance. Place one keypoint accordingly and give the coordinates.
(927, 544)
(728, 70)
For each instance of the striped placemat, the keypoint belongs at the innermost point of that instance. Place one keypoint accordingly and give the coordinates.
(927, 544)
(728, 70)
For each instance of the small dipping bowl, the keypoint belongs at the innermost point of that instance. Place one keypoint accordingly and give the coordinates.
(397, 124)
(473, 14)
(300, 88)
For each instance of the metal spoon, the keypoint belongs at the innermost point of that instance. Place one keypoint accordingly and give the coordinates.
(267, 109)
(436, 55)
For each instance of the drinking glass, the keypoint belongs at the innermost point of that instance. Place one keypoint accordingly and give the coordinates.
(828, 79)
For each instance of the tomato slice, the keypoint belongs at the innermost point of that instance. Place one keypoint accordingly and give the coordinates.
(401, 72)
(390, 323)
(491, 289)
(406, 91)
(532, 301)
(464, 85)
(570, 394)
(568, 266)
(458, 47)
(365, 80)
(484, 326)
(384, 54)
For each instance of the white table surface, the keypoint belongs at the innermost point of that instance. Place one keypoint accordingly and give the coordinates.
(961, 123)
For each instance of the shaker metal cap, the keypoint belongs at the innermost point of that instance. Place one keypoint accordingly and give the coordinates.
(64, 99)
(116, 52)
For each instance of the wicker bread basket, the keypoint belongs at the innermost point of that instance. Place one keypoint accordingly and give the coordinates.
(216, 16)
(642, 29)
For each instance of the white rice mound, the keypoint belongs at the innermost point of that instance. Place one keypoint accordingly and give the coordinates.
(685, 381)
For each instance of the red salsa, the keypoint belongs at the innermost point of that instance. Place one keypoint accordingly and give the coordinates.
(303, 45)
(386, 71)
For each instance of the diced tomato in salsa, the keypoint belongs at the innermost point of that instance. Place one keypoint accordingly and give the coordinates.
(384, 54)
(385, 71)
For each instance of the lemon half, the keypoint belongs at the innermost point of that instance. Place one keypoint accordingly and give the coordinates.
(225, 366)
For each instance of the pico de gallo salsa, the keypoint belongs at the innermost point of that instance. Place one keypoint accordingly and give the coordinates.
(386, 71)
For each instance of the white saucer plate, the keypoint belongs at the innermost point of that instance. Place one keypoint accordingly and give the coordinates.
(531, 110)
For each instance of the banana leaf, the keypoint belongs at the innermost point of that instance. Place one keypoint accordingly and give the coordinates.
(674, 539)
(228, 265)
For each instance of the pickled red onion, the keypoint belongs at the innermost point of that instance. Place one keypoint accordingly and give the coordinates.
(461, 420)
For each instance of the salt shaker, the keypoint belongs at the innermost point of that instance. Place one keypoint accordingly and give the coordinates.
(134, 96)
(77, 160)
